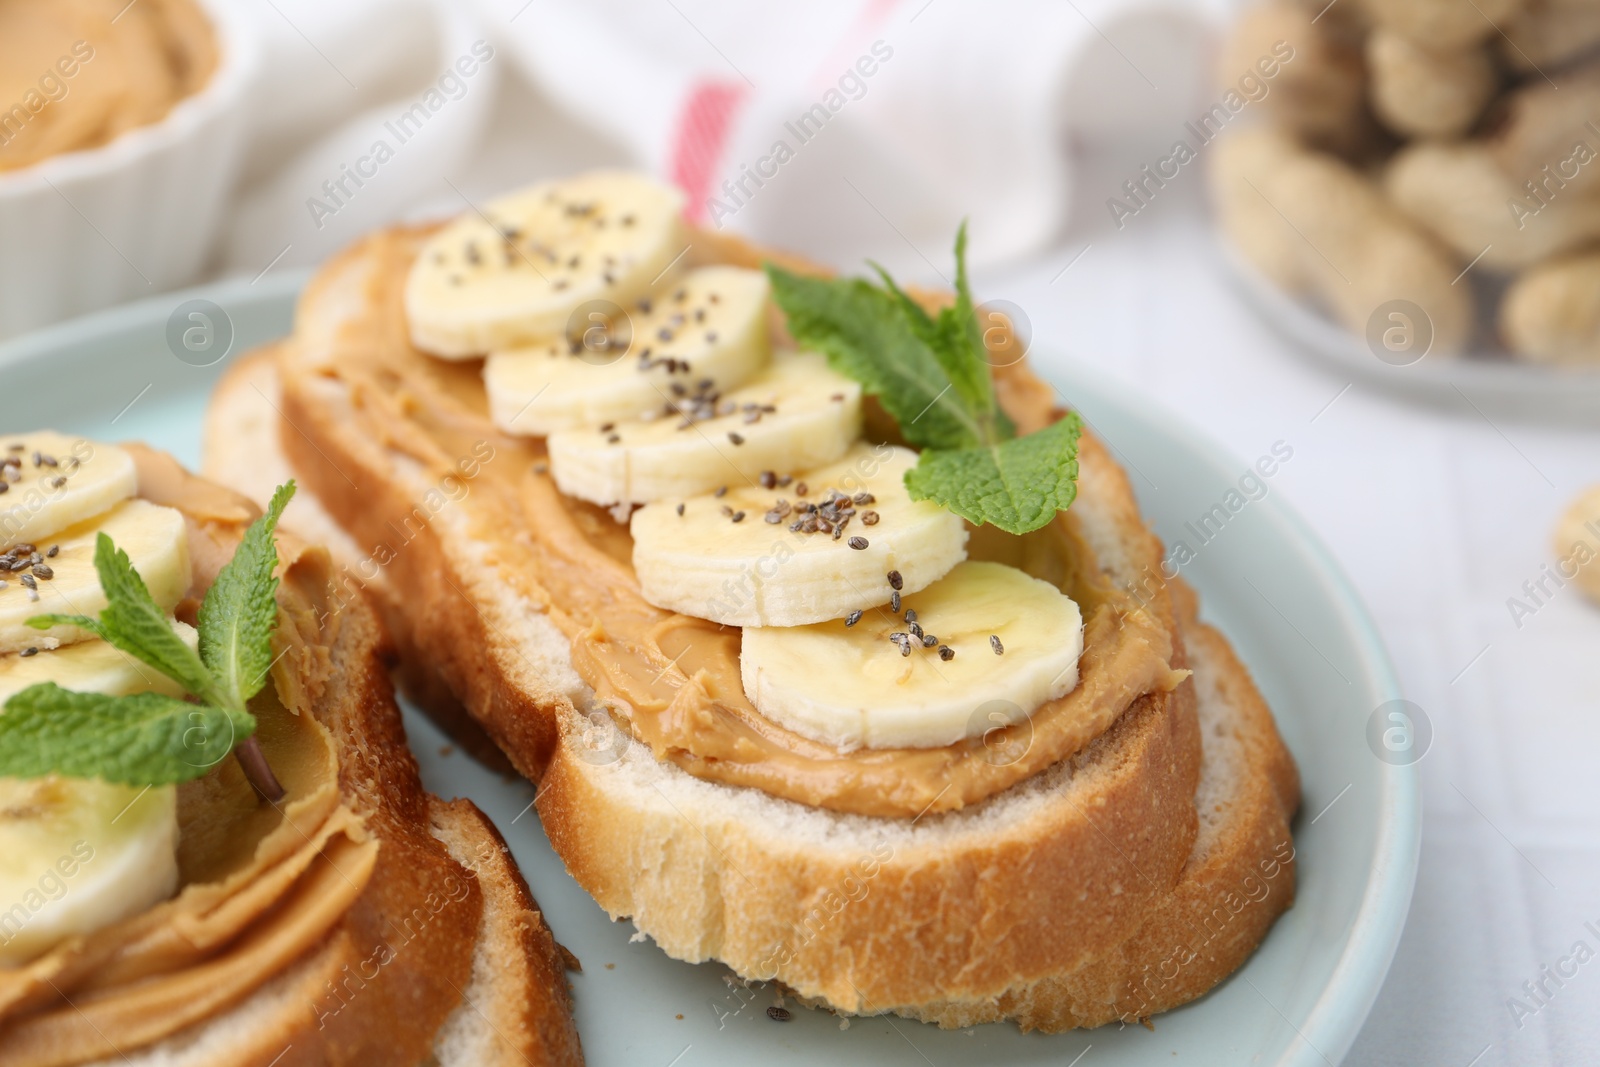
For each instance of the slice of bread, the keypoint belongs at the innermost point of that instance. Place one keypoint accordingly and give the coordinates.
(988, 912)
(478, 982)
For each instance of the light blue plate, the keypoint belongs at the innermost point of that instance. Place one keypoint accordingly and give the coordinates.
(1265, 578)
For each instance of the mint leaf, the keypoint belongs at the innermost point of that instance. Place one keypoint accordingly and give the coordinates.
(866, 335)
(1017, 485)
(135, 623)
(931, 372)
(956, 340)
(241, 609)
(148, 739)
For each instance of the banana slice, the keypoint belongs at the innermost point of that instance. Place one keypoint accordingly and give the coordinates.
(1013, 642)
(797, 414)
(75, 854)
(705, 333)
(38, 582)
(90, 667)
(516, 272)
(49, 481)
(770, 557)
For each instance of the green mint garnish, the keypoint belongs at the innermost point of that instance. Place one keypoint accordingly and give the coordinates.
(241, 609)
(150, 739)
(931, 373)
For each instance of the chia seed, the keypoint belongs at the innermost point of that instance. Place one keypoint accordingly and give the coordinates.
(895, 581)
(857, 543)
(994, 643)
(947, 653)
(852, 618)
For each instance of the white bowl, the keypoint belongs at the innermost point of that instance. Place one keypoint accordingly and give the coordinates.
(85, 230)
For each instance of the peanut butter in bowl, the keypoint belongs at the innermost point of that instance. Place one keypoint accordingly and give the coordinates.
(76, 74)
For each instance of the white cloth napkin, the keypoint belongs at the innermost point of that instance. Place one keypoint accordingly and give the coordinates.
(417, 77)
(821, 127)
(839, 128)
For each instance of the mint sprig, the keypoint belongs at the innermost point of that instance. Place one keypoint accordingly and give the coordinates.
(930, 372)
(241, 609)
(149, 739)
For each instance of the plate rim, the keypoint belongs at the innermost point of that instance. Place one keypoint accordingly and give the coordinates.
(1336, 1016)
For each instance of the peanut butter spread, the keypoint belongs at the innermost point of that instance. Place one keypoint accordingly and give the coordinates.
(260, 885)
(76, 73)
(674, 680)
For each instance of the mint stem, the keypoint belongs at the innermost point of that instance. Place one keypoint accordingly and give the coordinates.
(255, 766)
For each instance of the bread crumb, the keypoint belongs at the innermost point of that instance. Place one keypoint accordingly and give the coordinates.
(844, 1024)
(446, 750)
(638, 936)
(611, 966)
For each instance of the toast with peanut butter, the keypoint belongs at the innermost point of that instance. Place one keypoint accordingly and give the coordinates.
(1239, 876)
(846, 691)
(292, 896)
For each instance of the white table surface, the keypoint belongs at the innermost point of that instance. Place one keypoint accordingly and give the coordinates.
(1437, 518)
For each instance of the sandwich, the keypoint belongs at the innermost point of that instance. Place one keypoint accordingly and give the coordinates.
(829, 635)
(214, 846)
